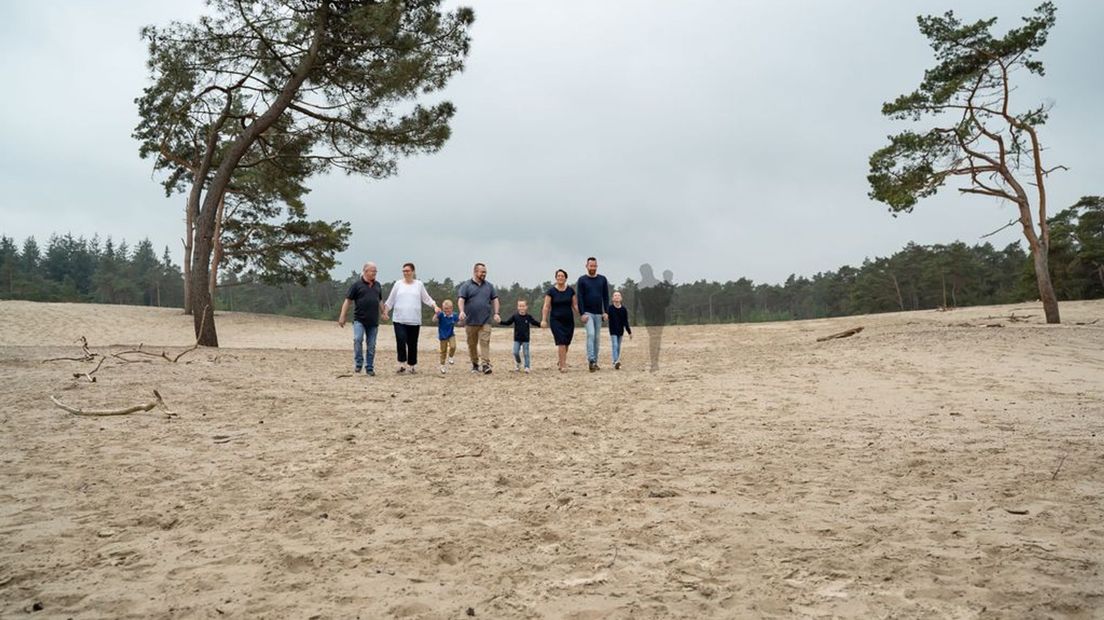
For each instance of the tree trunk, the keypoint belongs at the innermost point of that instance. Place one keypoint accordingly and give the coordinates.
(199, 294)
(216, 258)
(1046, 287)
(189, 244)
(206, 216)
(1100, 274)
(897, 287)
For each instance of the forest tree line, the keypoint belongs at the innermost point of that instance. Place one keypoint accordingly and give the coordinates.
(917, 277)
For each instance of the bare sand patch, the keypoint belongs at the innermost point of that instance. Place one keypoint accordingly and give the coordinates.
(928, 466)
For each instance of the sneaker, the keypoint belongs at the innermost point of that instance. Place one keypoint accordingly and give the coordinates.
(592, 366)
(412, 370)
(451, 361)
(401, 369)
(356, 371)
(370, 373)
(526, 371)
(442, 369)
(486, 369)
(475, 368)
(517, 366)
(617, 365)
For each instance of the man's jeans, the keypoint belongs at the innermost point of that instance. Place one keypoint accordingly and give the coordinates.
(615, 344)
(593, 333)
(518, 348)
(359, 334)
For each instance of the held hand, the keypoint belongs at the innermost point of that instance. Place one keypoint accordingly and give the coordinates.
(497, 318)
(436, 310)
(605, 317)
(463, 317)
(585, 317)
(544, 324)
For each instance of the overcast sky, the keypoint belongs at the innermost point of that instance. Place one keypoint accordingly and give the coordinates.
(717, 139)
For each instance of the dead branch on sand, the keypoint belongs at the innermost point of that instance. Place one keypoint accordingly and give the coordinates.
(87, 356)
(164, 355)
(88, 375)
(476, 454)
(158, 401)
(1061, 462)
(1013, 317)
(844, 334)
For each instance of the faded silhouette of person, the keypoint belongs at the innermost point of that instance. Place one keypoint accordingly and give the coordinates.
(654, 298)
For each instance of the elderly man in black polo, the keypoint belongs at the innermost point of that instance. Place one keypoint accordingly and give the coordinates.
(478, 302)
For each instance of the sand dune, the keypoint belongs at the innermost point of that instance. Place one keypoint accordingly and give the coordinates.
(927, 467)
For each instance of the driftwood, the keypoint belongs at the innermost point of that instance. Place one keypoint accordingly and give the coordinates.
(87, 356)
(1061, 462)
(1013, 317)
(164, 355)
(843, 334)
(88, 375)
(158, 401)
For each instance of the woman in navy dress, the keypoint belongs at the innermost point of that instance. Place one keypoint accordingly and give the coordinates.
(560, 308)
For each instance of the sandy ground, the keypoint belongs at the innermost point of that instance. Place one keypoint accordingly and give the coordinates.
(927, 467)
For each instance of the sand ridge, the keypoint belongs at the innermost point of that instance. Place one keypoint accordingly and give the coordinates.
(928, 466)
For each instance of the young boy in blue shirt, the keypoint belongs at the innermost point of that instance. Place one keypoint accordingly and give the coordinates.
(446, 332)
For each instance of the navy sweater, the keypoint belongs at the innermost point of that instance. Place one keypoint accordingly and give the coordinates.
(593, 293)
(618, 320)
(521, 326)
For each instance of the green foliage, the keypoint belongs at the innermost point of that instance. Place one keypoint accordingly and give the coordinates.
(259, 95)
(917, 277)
(976, 134)
(82, 270)
(1077, 250)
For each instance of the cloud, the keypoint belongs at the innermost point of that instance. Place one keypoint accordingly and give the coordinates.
(718, 139)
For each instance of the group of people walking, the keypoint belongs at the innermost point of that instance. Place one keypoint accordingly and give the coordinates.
(478, 305)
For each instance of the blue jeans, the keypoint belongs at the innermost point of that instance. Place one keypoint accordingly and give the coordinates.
(518, 348)
(615, 344)
(360, 332)
(593, 333)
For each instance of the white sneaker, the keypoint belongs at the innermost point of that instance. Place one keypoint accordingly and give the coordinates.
(526, 371)
(517, 366)
(451, 361)
(442, 369)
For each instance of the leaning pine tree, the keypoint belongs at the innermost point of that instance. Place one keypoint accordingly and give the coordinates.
(978, 137)
(264, 90)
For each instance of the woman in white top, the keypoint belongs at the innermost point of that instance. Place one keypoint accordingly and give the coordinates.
(406, 299)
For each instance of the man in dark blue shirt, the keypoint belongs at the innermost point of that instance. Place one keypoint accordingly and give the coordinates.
(364, 295)
(593, 291)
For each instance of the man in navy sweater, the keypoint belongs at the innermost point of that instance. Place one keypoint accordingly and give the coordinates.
(593, 292)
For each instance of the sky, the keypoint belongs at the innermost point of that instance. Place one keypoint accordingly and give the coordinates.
(718, 139)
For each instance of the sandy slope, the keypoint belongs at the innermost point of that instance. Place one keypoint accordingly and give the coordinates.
(926, 467)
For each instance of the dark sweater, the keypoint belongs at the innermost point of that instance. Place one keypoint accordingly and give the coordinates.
(618, 320)
(521, 325)
(593, 293)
